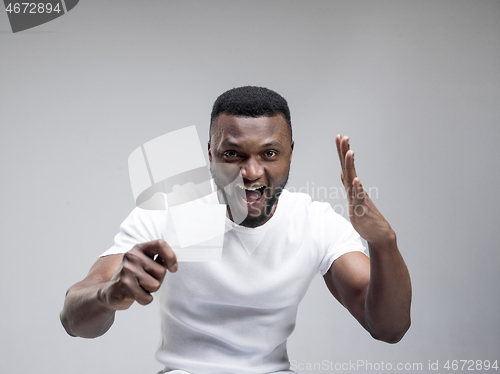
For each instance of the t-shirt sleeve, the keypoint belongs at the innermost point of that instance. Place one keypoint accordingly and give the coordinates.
(139, 227)
(339, 238)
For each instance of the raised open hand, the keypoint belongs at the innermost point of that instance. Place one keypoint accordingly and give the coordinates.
(364, 215)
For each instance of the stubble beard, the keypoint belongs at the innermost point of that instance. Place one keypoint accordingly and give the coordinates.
(269, 203)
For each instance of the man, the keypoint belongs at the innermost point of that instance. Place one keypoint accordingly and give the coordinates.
(234, 315)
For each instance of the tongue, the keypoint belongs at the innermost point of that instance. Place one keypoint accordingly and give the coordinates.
(252, 196)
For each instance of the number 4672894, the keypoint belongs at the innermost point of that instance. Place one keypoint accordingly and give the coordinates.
(32, 8)
(470, 365)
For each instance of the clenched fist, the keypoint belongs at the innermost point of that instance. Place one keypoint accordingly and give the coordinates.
(140, 273)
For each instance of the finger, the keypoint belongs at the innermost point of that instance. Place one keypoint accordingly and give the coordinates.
(142, 296)
(359, 191)
(150, 249)
(136, 279)
(147, 282)
(338, 140)
(138, 260)
(349, 172)
(139, 276)
(359, 206)
(148, 273)
(340, 143)
(155, 269)
(139, 294)
(342, 149)
(166, 255)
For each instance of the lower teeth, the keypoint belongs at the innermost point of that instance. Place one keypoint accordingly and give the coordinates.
(249, 203)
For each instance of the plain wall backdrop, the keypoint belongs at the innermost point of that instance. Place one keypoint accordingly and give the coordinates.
(415, 84)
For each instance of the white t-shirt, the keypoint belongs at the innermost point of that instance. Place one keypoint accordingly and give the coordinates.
(235, 315)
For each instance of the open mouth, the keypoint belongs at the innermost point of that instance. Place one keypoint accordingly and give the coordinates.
(253, 194)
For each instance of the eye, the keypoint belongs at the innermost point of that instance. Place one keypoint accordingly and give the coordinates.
(230, 154)
(271, 154)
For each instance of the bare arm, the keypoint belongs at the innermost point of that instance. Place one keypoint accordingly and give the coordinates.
(83, 315)
(114, 282)
(377, 291)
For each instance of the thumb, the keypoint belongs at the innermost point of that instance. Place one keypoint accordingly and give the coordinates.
(359, 191)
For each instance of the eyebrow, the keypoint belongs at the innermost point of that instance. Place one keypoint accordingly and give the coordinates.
(236, 145)
(272, 144)
(230, 144)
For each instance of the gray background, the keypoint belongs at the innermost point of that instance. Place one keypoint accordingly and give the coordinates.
(416, 84)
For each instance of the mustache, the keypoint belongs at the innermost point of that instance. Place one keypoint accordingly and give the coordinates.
(227, 182)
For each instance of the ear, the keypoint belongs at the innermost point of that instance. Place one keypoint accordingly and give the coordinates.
(291, 150)
(209, 153)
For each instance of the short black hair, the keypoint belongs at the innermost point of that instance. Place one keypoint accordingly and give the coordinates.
(251, 101)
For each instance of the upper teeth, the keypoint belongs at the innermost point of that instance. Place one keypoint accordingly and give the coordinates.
(249, 188)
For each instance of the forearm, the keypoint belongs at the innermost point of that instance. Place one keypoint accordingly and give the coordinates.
(83, 314)
(388, 298)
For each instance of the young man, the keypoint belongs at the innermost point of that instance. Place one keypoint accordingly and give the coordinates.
(234, 315)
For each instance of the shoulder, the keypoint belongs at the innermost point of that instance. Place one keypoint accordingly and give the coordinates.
(145, 222)
(303, 203)
(140, 226)
(319, 217)
(296, 199)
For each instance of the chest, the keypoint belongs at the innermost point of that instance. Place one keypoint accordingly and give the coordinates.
(270, 271)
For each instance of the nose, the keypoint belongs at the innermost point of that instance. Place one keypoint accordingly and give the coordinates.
(252, 170)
